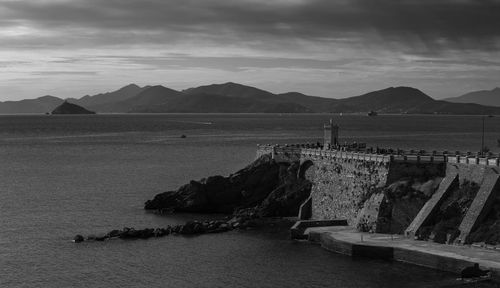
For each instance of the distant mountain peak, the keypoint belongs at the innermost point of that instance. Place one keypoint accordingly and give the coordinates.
(404, 88)
(231, 89)
(482, 97)
(132, 85)
(47, 97)
(400, 91)
(157, 88)
(233, 84)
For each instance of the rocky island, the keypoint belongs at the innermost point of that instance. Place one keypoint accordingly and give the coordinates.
(70, 108)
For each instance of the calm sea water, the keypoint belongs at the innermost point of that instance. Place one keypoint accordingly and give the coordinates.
(64, 175)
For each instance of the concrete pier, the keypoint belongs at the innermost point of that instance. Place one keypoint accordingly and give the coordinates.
(450, 258)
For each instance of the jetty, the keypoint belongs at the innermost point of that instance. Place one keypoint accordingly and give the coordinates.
(451, 258)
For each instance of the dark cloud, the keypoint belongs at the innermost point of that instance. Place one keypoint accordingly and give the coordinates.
(432, 25)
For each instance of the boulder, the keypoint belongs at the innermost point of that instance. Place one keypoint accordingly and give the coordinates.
(101, 237)
(114, 233)
(78, 238)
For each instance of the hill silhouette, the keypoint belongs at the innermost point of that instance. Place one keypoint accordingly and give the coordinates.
(39, 105)
(237, 98)
(483, 97)
(70, 108)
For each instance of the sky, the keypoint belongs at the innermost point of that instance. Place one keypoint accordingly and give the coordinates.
(329, 48)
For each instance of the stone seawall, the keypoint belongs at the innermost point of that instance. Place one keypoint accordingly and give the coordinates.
(341, 186)
(384, 190)
(343, 181)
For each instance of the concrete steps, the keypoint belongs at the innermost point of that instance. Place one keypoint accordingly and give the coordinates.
(447, 185)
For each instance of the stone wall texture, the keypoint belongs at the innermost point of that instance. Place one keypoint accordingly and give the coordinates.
(341, 186)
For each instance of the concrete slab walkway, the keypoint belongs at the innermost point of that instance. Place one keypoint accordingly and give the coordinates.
(451, 258)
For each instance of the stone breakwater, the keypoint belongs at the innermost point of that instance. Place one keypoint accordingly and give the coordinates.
(189, 228)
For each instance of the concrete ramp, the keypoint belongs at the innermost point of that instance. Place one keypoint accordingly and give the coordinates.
(299, 228)
(305, 209)
(447, 185)
(480, 206)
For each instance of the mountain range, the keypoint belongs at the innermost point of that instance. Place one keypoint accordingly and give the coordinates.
(483, 97)
(237, 98)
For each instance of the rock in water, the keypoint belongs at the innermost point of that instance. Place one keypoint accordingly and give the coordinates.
(78, 238)
(70, 108)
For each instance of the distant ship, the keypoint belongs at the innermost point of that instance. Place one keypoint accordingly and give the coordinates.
(372, 113)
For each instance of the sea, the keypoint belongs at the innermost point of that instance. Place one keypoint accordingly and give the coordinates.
(89, 174)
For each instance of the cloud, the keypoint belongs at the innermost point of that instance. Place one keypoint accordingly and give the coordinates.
(45, 73)
(433, 25)
(227, 63)
(322, 45)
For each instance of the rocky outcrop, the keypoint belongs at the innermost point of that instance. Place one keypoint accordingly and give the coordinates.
(286, 199)
(264, 188)
(70, 108)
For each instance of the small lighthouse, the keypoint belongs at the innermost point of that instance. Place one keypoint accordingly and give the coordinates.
(331, 135)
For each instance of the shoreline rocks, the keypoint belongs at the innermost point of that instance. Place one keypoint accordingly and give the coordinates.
(189, 228)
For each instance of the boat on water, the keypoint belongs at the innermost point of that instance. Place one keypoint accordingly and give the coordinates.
(372, 113)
